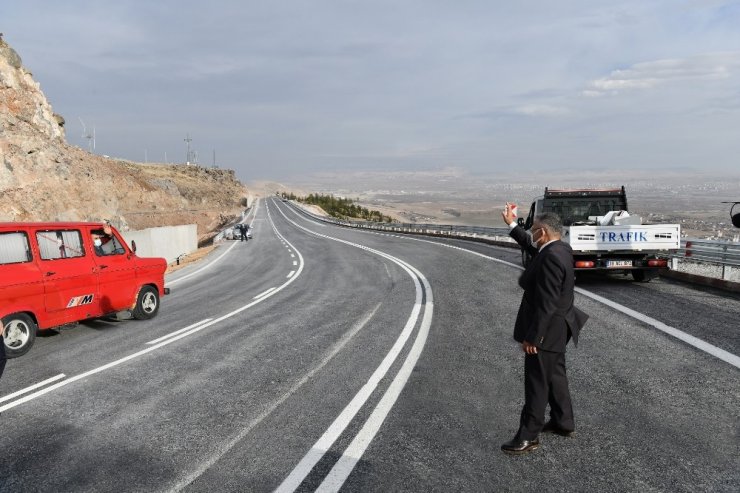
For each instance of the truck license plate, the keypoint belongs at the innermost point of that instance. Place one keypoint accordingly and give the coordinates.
(618, 263)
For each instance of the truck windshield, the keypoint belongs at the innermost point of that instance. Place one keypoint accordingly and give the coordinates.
(577, 210)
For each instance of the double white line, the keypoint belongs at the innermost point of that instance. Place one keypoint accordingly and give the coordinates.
(12, 396)
(346, 463)
(189, 327)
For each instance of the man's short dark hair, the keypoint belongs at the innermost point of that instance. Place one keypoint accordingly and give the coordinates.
(551, 222)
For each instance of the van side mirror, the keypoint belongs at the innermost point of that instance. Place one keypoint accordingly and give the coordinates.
(133, 246)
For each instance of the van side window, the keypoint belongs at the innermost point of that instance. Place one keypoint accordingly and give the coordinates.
(14, 248)
(56, 244)
(106, 244)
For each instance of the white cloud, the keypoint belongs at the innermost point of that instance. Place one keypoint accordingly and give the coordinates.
(649, 75)
(541, 110)
(283, 87)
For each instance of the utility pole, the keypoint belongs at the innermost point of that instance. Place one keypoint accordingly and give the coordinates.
(214, 158)
(188, 140)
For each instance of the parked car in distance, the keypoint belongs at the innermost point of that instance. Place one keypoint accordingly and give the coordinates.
(235, 234)
(58, 273)
(232, 234)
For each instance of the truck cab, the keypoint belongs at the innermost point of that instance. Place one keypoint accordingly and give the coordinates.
(602, 233)
(575, 207)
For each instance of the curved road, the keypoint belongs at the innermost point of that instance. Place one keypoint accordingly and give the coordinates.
(315, 357)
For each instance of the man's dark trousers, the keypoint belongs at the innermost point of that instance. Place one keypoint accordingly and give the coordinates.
(545, 382)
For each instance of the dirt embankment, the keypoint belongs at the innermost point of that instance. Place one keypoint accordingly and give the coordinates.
(42, 178)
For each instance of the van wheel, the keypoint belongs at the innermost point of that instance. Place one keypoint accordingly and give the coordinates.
(19, 333)
(147, 304)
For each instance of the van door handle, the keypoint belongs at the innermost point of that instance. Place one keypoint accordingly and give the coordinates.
(103, 266)
(50, 273)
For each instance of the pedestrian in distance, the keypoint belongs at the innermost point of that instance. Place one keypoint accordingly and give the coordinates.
(243, 230)
(545, 323)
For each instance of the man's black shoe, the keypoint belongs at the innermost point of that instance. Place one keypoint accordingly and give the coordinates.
(551, 427)
(518, 447)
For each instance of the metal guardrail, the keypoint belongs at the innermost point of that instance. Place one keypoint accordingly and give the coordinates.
(429, 228)
(723, 253)
(710, 251)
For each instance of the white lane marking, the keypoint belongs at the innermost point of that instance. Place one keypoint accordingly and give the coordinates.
(229, 444)
(172, 334)
(695, 342)
(295, 263)
(687, 338)
(32, 387)
(346, 463)
(291, 273)
(264, 293)
(323, 444)
(211, 264)
(292, 255)
(156, 346)
(175, 281)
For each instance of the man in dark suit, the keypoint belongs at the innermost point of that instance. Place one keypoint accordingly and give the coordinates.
(546, 321)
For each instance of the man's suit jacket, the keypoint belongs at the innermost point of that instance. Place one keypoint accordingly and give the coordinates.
(547, 317)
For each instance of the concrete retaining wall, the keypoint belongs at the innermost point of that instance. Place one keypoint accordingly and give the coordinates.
(168, 241)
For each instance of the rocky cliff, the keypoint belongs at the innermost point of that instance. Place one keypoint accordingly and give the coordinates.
(42, 178)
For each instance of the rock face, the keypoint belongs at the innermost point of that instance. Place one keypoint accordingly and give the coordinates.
(42, 178)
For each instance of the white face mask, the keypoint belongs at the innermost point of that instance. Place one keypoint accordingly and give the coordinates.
(97, 242)
(537, 236)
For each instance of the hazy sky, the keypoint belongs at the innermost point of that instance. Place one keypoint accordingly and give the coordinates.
(280, 88)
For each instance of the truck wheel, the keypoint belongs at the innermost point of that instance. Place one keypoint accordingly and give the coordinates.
(147, 303)
(644, 275)
(19, 333)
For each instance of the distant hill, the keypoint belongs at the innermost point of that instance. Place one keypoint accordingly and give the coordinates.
(44, 178)
(690, 197)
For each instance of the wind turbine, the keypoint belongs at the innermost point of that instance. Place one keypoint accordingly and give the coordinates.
(89, 136)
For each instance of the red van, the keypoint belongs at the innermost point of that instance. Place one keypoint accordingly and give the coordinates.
(53, 274)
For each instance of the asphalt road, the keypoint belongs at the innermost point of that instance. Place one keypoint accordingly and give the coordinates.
(314, 357)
